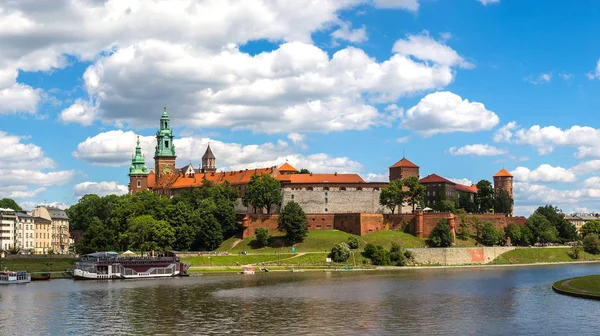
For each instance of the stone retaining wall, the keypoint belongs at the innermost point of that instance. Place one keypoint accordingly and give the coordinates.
(457, 255)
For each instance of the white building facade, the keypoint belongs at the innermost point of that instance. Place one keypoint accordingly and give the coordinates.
(8, 219)
(25, 232)
(60, 242)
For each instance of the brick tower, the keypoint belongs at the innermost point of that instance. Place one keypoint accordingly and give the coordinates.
(164, 155)
(503, 180)
(403, 169)
(138, 172)
(208, 161)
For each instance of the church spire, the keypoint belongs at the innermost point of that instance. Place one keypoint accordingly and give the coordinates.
(138, 163)
(208, 160)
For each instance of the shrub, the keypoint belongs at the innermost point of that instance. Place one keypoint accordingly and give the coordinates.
(591, 243)
(262, 236)
(380, 256)
(575, 252)
(396, 255)
(340, 252)
(369, 250)
(440, 236)
(352, 242)
(489, 235)
(409, 255)
(463, 231)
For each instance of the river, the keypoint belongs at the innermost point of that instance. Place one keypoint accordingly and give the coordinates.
(442, 301)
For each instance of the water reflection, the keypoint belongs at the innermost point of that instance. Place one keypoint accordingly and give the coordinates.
(490, 301)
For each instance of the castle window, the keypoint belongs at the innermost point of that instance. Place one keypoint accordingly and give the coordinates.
(342, 188)
(359, 188)
(376, 189)
(326, 200)
(292, 197)
(167, 144)
(434, 193)
(427, 192)
(309, 188)
(325, 188)
(139, 183)
(325, 209)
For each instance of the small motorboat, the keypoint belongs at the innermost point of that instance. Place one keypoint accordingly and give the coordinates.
(11, 277)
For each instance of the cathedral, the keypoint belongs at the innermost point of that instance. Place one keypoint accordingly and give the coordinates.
(316, 193)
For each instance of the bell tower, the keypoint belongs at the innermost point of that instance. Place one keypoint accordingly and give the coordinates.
(208, 161)
(164, 154)
(138, 172)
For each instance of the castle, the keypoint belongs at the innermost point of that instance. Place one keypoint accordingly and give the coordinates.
(317, 194)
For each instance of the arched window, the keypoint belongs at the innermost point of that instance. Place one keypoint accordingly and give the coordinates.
(139, 183)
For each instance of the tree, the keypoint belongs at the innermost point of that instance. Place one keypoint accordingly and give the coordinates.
(515, 233)
(397, 255)
(185, 236)
(98, 237)
(466, 202)
(441, 235)
(416, 191)
(149, 234)
(485, 196)
(379, 255)
(463, 232)
(340, 252)
(503, 203)
(262, 236)
(209, 233)
(446, 206)
(262, 192)
(591, 227)
(352, 242)
(541, 228)
(292, 221)
(304, 171)
(565, 230)
(392, 195)
(490, 235)
(10, 204)
(591, 244)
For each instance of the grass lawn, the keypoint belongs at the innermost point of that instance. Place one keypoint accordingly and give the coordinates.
(586, 286)
(321, 241)
(37, 264)
(535, 254)
(232, 260)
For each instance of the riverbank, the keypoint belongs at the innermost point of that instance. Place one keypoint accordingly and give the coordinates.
(585, 287)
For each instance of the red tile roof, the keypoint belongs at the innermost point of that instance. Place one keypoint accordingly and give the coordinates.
(503, 173)
(151, 179)
(287, 168)
(321, 178)
(405, 164)
(461, 187)
(433, 178)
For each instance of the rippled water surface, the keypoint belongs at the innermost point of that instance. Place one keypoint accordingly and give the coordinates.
(482, 301)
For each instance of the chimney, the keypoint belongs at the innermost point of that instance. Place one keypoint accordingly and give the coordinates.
(335, 174)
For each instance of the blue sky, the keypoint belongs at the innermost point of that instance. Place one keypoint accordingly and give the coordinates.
(463, 87)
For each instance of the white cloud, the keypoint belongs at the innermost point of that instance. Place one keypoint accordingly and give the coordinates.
(403, 139)
(345, 32)
(596, 71)
(477, 149)
(411, 5)
(528, 196)
(99, 188)
(488, 2)
(566, 75)
(543, 173)
(21, 177)
(371, 177)
(29, 205)
(545, 139)
(587, 167)
(296, 138)
(186, 53)
(539, 79)
(114, 148)
(423, 47)
(14, 154)
(463, 181)
(19, 192)
(446, 112)
(592, 182)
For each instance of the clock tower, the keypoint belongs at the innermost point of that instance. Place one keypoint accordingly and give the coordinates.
(164, 154)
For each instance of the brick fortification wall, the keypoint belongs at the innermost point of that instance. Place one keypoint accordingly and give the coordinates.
(457, 256)
(361, 223)
(337, 200)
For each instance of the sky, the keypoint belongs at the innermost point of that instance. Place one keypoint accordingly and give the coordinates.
(462, 88)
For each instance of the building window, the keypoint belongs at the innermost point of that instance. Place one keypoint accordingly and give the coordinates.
(167, 144)
(427, 192)
(309, 188)
(326, 200)
(292, 197)
(342, 188)
(139, 183)
(434, 193)
(325, 209)
(359, 188)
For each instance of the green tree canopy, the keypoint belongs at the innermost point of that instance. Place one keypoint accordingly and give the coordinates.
(96, 238)
(262, 192)
(543, 231)
(503, 203)
(149, 234)
(441, 235)
(591, 227)
(416, 191)
(292, 220)
(490, 236)
(304, 171)
(485, 195)
(565, 230)
(340, 252)
(393, 195)
(9, 203)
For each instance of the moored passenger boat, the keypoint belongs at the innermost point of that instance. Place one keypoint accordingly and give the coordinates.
(110, 265)
(10, 277)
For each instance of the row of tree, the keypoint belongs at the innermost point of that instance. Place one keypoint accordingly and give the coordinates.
(197, 218)
(546, 225)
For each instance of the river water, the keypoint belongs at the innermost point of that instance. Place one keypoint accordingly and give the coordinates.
(456, 301)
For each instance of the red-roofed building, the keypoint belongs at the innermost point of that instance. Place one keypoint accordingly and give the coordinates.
(403, 169)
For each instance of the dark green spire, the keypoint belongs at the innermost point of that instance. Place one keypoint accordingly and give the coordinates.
(138, 164)
(164, 137)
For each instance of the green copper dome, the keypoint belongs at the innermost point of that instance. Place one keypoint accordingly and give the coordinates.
(138, 164)
(164, 137)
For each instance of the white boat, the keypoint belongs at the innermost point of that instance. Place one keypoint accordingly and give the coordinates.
(248, 270)
(109, 265)
(10, 277)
